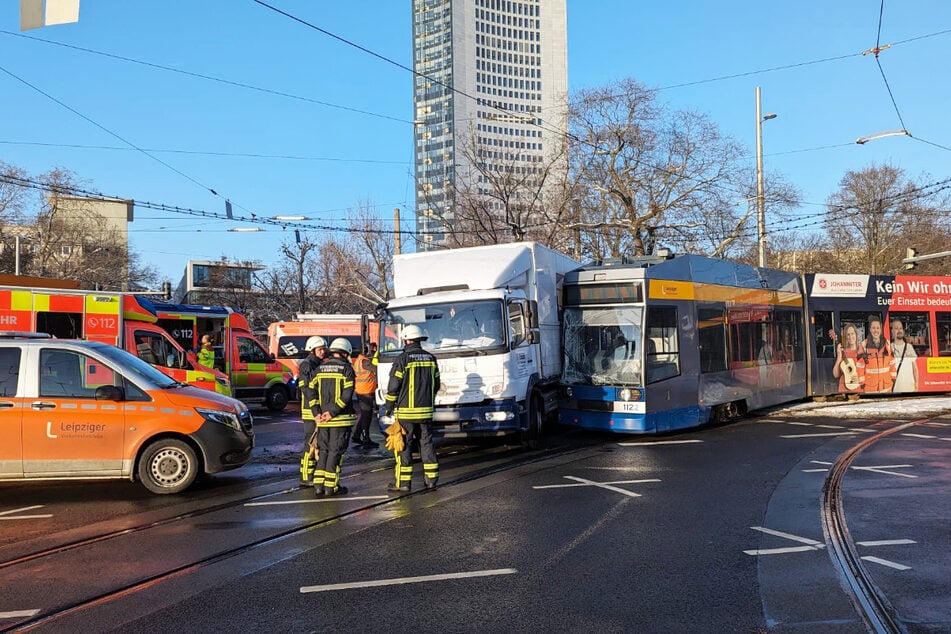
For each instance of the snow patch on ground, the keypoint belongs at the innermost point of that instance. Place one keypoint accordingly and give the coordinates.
(909, 408)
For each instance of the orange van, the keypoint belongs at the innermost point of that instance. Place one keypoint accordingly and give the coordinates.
(86, 409)
(286, 339)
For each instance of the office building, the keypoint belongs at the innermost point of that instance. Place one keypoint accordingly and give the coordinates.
(491, 74)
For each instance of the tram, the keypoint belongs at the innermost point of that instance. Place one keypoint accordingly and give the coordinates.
(659, 343)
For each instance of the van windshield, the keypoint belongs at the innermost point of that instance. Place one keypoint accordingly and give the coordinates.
(133, 366)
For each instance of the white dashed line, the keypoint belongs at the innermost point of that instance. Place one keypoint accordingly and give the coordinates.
(885, 562)
(403, 580)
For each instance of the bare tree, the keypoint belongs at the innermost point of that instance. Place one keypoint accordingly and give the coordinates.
(878, 212)
(648, 176)
(508, 195)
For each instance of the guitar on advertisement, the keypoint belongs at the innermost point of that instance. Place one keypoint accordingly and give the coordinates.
(850, 373)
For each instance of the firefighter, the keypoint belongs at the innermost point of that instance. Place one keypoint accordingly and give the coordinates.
(365, 386)
(411, 397)
(333, 386)
(206, 354)
(316, 349)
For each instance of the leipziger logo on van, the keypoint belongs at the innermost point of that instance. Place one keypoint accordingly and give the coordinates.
(75, 430)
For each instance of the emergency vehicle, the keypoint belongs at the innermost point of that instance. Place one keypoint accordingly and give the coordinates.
(86, 409)
(256, 377)
(125, 321)
(286, 339)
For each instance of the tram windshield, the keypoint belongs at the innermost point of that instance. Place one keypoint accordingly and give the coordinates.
(602, 346)
(454, 328)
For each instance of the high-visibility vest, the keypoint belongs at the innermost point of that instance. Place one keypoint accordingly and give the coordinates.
(366, 375)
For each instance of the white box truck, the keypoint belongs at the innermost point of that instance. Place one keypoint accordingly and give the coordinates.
(491, 317)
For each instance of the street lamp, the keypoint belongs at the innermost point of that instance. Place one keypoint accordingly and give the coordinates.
(245, 229)
(862, 140)
(760, 201)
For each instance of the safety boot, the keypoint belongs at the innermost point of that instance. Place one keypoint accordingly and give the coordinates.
(403, 488)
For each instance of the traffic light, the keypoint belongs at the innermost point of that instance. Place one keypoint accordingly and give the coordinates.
(167, 290)
(910, 254)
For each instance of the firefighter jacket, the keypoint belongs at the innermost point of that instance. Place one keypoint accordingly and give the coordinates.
(366, 375)
(333, 386)
(414, 381)
(306, 370)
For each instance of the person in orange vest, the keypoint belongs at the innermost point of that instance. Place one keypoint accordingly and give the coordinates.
(879, 370)
(366, 404)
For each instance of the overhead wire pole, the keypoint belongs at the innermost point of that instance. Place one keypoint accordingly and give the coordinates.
(760, 201)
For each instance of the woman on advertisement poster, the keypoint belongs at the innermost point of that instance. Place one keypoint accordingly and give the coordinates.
(849, 365)
(904, 359)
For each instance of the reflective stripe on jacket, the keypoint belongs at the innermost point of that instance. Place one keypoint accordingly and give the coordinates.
(333, 385)
(305, 374)
(414, 381)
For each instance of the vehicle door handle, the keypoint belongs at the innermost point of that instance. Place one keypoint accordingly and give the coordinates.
(43, 405)
(6, 405)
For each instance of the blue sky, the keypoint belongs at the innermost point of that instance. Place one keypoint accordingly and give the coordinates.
(344, 137)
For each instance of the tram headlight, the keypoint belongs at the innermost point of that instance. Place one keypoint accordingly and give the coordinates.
(625, 394)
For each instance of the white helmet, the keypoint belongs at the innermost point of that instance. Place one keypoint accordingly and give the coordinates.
(341, 345)
(413, 333)
(314, 342)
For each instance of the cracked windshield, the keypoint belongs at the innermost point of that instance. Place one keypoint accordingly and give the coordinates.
(602, 346)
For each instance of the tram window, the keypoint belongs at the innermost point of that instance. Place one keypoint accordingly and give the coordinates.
(944, 334)
(663, 345)
(712, 336)
(915, 328)
(825, 345)
(788, 336)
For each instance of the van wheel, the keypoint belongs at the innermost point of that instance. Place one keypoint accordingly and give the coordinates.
(168, 466)
(277, 398)
(531, 437)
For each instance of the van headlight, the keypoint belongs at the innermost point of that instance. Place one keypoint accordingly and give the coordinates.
(229, 419)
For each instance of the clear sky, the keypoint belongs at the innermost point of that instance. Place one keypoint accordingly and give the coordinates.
(339, 134)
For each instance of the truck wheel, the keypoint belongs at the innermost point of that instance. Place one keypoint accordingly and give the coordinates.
(277, 398)
(531, 437)
(168, 466)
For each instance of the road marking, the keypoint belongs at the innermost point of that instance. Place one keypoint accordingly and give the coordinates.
(332, 498)
(783, 551)
(18, 614)
(888, 542)
(403, 580)
(790, 536)
(820, 435)
(876, 468)
(602, 485)
(928, 436)
(659, 442)
(885, 562)
(5, 515)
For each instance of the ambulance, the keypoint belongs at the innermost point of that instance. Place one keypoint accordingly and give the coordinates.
(122, 320)
(86, 409)
(256, 377)
(286, 339)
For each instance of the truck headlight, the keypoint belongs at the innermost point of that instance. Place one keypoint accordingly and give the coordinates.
(228, 419)
(499, 417)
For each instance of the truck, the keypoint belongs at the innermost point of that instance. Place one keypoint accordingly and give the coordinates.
(256, 376)
(491, 318)
(286, 339)
(122, 320)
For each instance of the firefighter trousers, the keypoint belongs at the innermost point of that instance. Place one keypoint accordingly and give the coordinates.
(331, 449)
(427, 454)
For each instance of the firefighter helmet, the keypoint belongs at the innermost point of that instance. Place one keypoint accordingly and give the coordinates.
(314, 343)
(413, 333)
(341, 345)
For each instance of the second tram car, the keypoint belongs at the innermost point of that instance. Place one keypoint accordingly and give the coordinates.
(660, 343)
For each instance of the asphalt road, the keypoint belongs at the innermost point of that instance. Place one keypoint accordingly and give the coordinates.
(715, 530)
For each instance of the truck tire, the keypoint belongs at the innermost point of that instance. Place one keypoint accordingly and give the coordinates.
(168, 466)
(532, 435)
(277, 398)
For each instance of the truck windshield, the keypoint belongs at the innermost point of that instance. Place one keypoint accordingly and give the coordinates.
(135, 367)
(474, 327)
(602, 346)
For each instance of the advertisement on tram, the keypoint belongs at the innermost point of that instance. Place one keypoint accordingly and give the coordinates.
(877, 334)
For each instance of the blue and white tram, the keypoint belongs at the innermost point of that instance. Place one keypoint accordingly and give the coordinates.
(660, 343)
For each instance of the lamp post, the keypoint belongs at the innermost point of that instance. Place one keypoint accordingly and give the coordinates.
(760, 201)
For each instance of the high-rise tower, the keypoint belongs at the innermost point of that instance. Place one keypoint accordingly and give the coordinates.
(491, 74)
